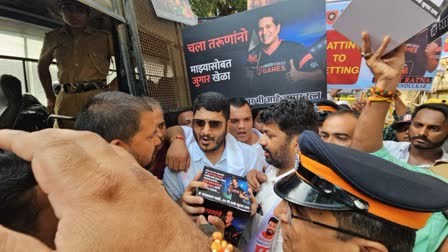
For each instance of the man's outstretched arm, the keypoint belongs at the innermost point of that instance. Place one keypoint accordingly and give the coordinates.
(368, 133)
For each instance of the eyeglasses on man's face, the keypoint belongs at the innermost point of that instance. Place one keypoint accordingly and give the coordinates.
(303, 218)
(214, 124)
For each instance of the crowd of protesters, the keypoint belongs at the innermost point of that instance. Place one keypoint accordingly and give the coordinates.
(321, 177)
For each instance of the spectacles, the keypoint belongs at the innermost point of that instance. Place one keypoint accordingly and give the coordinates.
(292, 216)
(211, 123)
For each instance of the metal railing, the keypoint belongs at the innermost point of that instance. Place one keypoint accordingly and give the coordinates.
(24, 68)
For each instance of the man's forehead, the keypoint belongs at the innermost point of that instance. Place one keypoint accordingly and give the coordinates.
(242, 111)
(203, 113)
(148, 116)
(427, 114)
(345, 123)
(158, 114)
(272, 127)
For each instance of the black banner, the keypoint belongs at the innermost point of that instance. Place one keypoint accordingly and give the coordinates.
(265, 54)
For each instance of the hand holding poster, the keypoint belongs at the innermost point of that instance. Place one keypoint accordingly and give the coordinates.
(265, 54)
(226, 197)
(347, 69)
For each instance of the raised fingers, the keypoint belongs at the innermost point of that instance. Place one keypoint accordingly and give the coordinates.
(380, 51)
(365, 48)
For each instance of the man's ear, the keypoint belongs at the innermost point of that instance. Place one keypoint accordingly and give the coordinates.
(370, 246)
(295, 143)
(120, 143)
(116, 142)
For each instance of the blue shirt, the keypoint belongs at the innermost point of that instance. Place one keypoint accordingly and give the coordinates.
(238, 158)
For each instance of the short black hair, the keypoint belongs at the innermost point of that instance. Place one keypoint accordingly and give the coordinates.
(377, 229)
(112, 115)
(293, 116)
(273, 219)
(18, 209)
(256, 110)
(441, 107)
(238, 102)
(212, 101)
(274, 19)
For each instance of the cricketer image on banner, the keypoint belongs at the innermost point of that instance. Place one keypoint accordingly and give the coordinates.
(347, 69)
(264, 55)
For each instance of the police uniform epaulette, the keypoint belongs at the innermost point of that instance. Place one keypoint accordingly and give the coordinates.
(337, 178)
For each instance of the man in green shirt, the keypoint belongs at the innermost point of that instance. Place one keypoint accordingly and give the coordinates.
(387, 71)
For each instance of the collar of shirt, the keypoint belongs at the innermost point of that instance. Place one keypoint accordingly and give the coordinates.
(404, 154)
(259, 134)
(272, 172)
(231, 150)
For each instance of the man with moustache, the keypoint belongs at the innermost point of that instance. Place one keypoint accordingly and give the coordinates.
(283, 123)
(157, 165)
(208, 144)
(241, 124)
(428, 128)
(269, 233)
(427, 133)
(124, 120)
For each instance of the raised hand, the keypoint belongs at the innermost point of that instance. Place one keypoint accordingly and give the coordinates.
(387, 68)
(103, 199)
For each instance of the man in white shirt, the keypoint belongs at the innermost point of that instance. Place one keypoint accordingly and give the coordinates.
(209, 144)
(241, 124)
(283, 123)
(427, 133)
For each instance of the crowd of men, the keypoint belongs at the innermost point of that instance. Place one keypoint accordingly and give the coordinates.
(321, 176)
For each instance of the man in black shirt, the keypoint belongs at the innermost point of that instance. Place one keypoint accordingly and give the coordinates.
(237, 193)
(277, 61)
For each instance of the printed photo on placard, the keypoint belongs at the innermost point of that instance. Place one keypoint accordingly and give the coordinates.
(347, 69)
(265, 54)
(226, 197)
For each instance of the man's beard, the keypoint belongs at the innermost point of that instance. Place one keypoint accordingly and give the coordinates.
(218, 141)
(282, 160)
(269, 231)
(430, 146)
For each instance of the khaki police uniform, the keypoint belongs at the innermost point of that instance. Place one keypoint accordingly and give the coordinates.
(79, 59)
